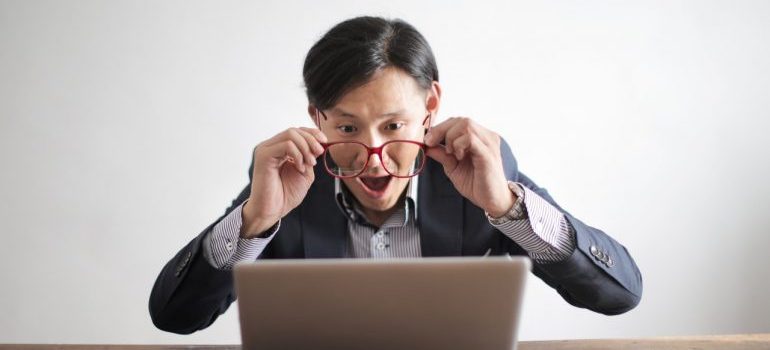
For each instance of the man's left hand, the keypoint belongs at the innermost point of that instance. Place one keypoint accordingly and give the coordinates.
(471, 159)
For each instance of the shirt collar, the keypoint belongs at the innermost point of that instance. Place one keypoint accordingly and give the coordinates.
(349, 206)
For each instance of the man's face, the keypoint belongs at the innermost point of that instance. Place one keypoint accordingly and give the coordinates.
(391, 106)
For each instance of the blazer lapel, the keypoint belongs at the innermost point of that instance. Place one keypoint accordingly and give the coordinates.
(440, 213)
(324, 228)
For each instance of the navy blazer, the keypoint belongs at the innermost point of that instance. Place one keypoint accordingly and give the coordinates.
(189, 294)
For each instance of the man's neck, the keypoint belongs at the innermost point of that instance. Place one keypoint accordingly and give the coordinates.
(378, 217)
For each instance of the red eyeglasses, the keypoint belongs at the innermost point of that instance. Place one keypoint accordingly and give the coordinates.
(399, 158)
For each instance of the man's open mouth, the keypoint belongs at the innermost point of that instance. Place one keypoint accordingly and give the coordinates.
(376, 184)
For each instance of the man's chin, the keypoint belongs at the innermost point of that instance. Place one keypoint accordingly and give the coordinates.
(384, 202)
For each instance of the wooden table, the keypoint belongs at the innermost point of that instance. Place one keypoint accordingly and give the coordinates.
(723, 342)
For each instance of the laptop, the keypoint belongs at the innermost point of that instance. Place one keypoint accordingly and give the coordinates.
(416, 303)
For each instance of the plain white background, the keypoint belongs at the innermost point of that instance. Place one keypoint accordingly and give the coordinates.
(126, 127)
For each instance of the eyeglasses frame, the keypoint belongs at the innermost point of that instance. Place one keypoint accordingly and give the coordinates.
(372, 150)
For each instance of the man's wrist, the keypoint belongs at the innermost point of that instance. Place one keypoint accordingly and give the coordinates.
(516, 211)
(252, 227)
(508, 203)
(257, 229)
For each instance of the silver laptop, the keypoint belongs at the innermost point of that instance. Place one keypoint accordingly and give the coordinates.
(423, 303)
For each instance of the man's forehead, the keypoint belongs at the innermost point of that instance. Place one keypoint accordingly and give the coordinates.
(342, 112)
(388, 93)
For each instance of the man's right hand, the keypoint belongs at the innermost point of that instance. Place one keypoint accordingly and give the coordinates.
(283, 173)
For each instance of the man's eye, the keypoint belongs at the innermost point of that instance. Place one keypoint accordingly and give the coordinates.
(346, 128)
(394, 126)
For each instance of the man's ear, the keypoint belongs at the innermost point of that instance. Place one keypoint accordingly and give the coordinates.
(433, 99)
(313, 113)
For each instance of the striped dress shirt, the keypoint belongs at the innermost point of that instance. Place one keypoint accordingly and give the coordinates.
(544, 232)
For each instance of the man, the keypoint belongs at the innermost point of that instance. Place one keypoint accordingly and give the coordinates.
(376, 179)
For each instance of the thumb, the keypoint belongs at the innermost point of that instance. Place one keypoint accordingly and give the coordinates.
(447, 160)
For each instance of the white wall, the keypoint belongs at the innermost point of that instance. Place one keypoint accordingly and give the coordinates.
(126, 127)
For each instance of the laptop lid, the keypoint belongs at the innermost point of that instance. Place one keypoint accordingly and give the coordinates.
(420, 303)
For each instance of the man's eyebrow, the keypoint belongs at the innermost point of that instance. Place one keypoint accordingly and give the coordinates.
(342, 113)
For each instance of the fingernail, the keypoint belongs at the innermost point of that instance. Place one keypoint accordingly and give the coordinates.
(428, 138)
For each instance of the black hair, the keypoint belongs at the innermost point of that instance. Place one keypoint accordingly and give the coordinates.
(352, 51)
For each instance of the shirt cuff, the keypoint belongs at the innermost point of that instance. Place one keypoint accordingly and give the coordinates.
(223, 246)
(545, 234)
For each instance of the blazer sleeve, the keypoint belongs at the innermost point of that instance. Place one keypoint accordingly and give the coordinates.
(600, 274)
(189, 293)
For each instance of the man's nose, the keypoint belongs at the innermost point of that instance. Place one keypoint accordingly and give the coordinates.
(374, 163)
(373, 140)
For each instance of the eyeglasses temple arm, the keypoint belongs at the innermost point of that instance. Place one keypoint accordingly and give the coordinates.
(427, 119)
(318, 119)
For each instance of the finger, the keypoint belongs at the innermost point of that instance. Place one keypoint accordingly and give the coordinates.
(301, 142)
(282, 136)
(285, 151)
(312, 140)
(276, 139)
(437, 133)
(460, 128)
(461, 146)
(309, 174)
(448, 161)
(318, 134)
(293, 155)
